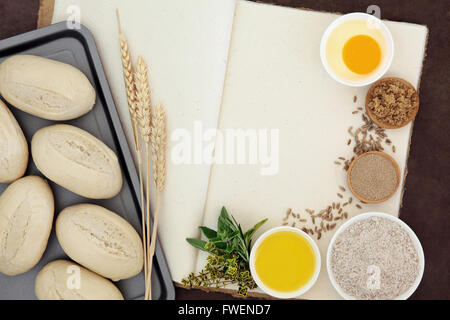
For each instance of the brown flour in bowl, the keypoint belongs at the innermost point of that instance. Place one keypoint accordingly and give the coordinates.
(373, 177)
(374, 258)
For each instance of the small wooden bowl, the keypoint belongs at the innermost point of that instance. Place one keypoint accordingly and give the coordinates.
(373, 117)
(397, 171)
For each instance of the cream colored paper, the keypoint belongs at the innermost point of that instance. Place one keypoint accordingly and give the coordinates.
(275, 79)
(185, 44)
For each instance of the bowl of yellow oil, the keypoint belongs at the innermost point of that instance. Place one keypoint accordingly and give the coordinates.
(285, 262)
(357, 49)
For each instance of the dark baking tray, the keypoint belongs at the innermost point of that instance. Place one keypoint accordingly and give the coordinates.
(77, 47)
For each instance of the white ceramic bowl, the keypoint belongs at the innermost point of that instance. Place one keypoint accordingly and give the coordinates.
(412, 235)
(387, 51)
(274, 293)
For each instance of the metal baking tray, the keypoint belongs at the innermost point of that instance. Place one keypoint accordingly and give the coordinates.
(77, 47)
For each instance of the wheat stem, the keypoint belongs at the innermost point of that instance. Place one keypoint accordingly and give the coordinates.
(144, 233)
(147, 243)
(158, 141)
(153, 243)
(130, 89)
(143, 116)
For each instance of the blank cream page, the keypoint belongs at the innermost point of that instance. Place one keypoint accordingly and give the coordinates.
(185, 44)
(275, 80)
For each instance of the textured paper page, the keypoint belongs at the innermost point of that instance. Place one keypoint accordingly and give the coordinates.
(185, 44)
(275, 79)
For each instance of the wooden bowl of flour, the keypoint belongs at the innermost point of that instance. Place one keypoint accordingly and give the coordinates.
(373, 177)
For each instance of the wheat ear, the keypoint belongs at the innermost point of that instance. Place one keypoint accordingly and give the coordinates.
(143, 109)
(158, 138)
(132, 105)
(130, 88)
(143, 112)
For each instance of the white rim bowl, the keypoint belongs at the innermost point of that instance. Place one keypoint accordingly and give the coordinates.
(274, 293)
(414, 239)
(381, 70)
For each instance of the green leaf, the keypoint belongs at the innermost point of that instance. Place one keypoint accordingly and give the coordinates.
(229, 248)
(237, 244)
(243, 255)
(209, 233)
(222, 245)
(233, 235)
(240, 248)
(197, 243)
(242, 236)
(249, 234)
(223, 218)
(224, 212)
(224, 224)
(238, 226)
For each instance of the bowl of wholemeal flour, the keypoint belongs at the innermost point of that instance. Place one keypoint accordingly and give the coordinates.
(375, 256)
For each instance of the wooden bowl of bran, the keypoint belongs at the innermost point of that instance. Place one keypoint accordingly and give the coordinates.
(373, 181)
(392, 103)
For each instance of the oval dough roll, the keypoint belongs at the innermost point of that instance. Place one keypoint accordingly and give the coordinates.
(77, 161)
(46, 88)
(100, 240)
(13, 147)
(65, 280)
(26, 218)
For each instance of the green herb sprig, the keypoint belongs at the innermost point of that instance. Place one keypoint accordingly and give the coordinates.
(229, 248)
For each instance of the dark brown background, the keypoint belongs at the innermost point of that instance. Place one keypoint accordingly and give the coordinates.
(426, 200)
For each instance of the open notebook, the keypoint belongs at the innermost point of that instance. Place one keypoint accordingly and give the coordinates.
(241, 65)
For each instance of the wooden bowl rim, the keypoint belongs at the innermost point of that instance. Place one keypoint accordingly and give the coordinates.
(374, 119)
(397, 171)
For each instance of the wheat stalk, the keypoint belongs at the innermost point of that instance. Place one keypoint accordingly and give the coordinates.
(143, 114)
(151, 124)
(158, 139)
(132, 106)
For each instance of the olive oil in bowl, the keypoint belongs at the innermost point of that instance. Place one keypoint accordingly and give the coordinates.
(285, 262)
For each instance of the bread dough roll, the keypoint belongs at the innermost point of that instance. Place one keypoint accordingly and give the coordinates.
(46, 88)
(13, 147)
(100, 240)
(76, 160)
(65, 280)
(26, 217)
